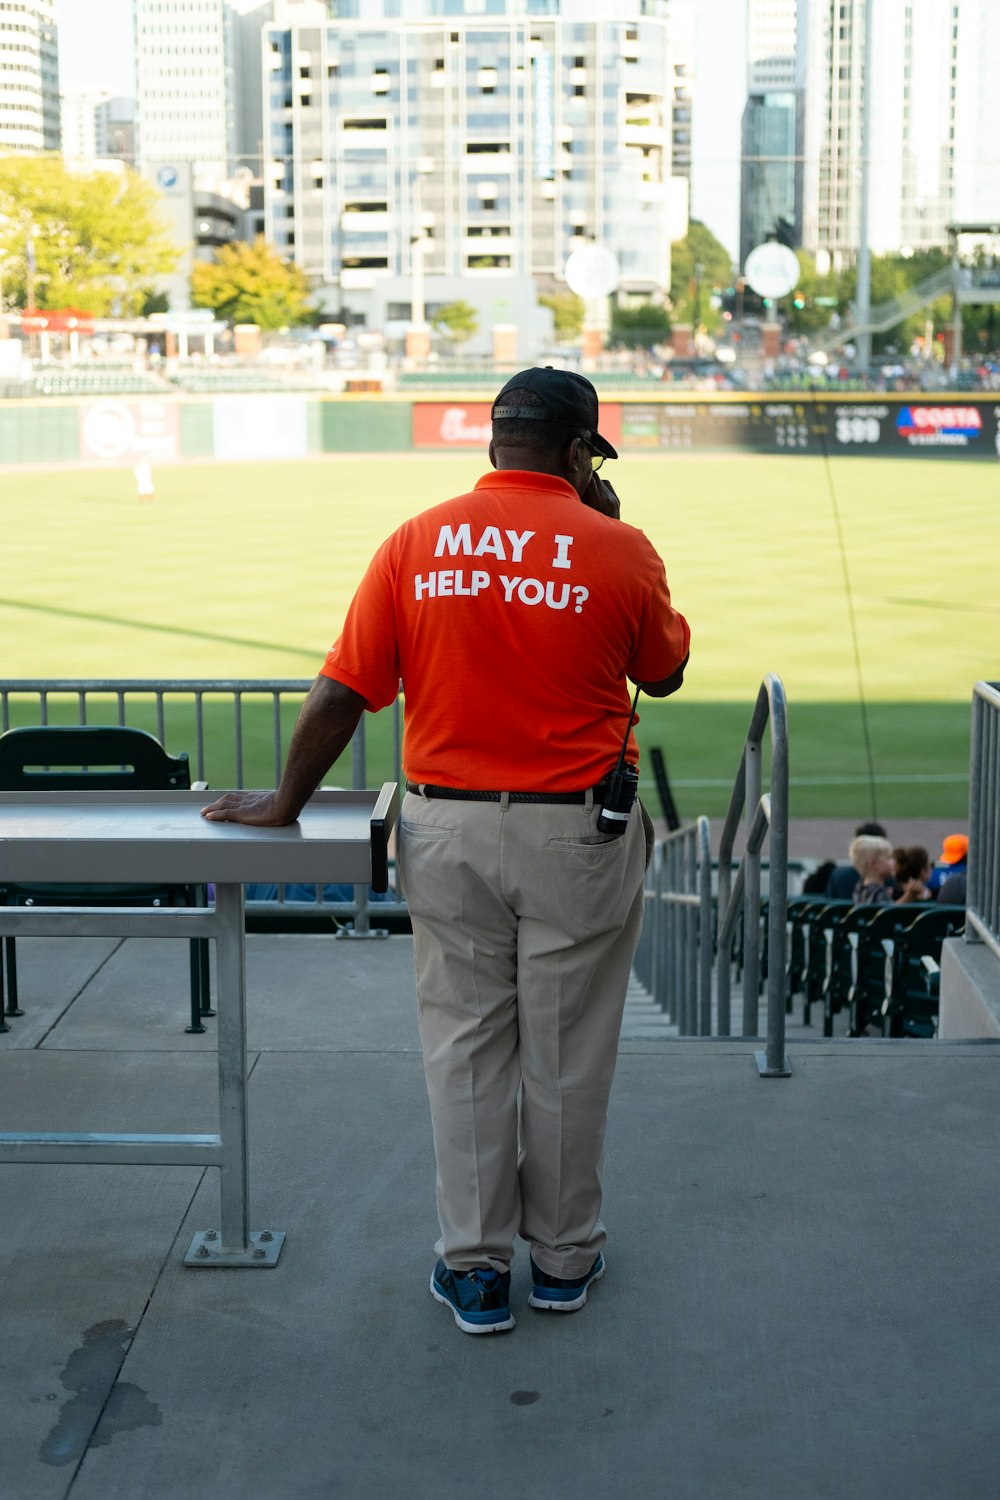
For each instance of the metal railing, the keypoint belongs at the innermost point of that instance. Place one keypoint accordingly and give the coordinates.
(983, 897)
(674, 957)
(209, 720)
(739, 898)
(887, 315)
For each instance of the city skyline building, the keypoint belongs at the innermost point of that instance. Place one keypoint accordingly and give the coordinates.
(772, 34)
(682, 23)
(768, 161)
(977, 115)
(97, 125)
(421, 155)
(29, 77)
(199, 84)
(934, 115)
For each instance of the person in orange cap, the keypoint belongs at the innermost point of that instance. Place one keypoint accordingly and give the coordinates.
(954, 860)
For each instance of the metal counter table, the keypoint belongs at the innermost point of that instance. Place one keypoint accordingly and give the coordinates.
(121, 837)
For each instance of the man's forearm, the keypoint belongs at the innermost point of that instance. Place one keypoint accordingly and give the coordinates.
(667, 685)
(323, 730)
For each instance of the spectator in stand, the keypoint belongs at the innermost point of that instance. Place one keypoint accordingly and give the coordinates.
(875, 863)
(954, 889)
(840, 886)
(954, 861)
(914, 864)
(816, 881)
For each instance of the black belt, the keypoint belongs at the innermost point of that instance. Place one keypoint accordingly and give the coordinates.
(464, 794)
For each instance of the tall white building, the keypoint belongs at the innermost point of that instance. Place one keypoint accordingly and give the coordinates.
(977, 114)
(935, 119)
(78, 114)
(198, 83)
(97, 125)
(462, 144)
(772, 32)
(29, 77)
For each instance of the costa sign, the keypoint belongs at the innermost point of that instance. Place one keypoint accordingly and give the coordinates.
(939, 426)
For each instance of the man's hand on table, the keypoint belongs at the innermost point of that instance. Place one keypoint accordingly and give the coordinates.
(259, 808)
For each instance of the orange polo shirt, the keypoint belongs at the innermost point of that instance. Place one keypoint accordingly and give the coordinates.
(513, 616)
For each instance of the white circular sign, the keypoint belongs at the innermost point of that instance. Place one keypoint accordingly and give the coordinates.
(109, 429)
(592, 272)
(772, 270)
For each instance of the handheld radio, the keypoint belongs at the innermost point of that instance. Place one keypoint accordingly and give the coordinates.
(620, 788)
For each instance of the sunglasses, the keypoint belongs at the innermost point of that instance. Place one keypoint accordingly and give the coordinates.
(596, 458)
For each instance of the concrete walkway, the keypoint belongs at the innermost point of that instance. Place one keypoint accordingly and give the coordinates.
(802, 1299)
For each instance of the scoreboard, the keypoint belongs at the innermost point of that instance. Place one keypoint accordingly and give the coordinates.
(920, 426)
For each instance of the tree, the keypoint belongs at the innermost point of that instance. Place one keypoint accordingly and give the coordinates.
(252, 284)
(892, 276)
(567, 315)
(698, 263)
(639, 327)
(87, 240)
(458, 320)
(803, 313)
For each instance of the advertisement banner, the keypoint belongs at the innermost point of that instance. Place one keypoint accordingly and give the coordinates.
(466, 424)
(452, 424)
(873, 426)
(246, 427)
(114, 431)
(939, 425)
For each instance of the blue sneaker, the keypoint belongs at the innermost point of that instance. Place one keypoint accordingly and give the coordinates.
(557, 1294)
(480, 1299)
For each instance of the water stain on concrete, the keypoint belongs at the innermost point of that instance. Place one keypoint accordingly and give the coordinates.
(91, 1372)
(524, 1398)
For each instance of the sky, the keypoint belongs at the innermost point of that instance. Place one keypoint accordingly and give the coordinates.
(95, 52)
(720, 96)
(95, 45)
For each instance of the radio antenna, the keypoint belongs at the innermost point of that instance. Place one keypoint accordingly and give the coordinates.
(619, 763)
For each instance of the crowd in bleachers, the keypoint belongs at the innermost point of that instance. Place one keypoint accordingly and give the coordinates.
(865, 937)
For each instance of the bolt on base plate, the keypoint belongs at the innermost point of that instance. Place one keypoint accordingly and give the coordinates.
(263, 1250)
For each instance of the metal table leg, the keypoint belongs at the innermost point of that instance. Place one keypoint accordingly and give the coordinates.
(237, 1245)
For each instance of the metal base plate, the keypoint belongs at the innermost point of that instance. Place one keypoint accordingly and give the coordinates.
(765, 1072)
(263, 1250)
(374, 932)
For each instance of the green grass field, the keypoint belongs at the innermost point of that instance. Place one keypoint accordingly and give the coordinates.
(246, 570)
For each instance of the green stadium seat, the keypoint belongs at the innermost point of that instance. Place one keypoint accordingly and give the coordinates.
(912, 971)
(52, 758)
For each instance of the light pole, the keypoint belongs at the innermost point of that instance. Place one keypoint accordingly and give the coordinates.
(863, 296)
(418, 339)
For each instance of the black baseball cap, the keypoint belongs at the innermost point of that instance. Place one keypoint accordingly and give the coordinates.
(566, 397)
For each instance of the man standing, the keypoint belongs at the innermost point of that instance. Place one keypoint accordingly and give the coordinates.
(514, 616)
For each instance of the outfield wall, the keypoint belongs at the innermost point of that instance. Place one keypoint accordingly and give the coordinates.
(119, 430)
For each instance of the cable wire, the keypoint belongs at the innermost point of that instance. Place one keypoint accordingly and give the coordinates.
(824, 433)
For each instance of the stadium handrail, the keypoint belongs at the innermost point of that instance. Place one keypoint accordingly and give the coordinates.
(766, 815)
(674, 957)
(983, 898)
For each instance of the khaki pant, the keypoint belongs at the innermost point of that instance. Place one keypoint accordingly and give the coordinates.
(525, 922)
